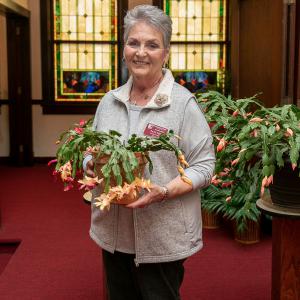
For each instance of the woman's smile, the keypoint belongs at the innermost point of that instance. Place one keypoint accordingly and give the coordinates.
(141, 63)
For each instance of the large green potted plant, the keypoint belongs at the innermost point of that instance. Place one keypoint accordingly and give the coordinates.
(119, 164)
(252, 144)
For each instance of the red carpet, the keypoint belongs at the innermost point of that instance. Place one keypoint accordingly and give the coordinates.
(57, 260)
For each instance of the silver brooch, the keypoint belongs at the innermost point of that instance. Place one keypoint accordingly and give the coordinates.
(161, 99)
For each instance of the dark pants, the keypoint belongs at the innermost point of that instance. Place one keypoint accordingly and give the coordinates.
(155, 281)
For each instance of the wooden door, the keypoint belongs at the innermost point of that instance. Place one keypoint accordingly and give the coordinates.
(19, 89)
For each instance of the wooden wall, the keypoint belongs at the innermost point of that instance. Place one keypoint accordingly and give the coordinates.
(256, 49)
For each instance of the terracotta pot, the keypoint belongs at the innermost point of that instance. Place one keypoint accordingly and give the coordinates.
(210, 220)
(138, 172)
(251, 235)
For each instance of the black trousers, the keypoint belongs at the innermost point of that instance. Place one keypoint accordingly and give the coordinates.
(154, 281)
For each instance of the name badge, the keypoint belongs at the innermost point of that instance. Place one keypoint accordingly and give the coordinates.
(154, 130)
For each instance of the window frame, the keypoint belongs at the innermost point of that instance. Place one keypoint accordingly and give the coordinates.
(226, 43)
(50, 106)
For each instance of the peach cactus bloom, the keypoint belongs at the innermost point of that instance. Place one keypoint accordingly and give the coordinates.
(228, 199)
(256, 120)
(235, 113)
(254, 133)
(221, 145)
(235, 161)
(82, 122)
(66, 171)
(289, 132)
(227, 184)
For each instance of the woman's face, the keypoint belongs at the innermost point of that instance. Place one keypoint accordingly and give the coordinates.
(144, 51)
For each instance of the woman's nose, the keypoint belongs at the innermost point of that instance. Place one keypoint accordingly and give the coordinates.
(141, 51)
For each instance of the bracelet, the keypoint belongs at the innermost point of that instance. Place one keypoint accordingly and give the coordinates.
(166, 193)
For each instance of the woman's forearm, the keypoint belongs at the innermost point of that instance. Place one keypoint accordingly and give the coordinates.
(178, 187)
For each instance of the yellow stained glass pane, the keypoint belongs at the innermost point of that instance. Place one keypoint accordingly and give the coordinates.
(81, 24)
(211, 57)
(102, 56)
(73, 27)
(197, 20)
(174, 9)
(182, 8)
(214, 26)
(215, 9)
(173, 57)
(81, 7)
(98, 7)
(195, 57)
(105, 8)
(194, 61)
(73, 60)
(190, 10)
(85, 20)
(89, 10)
(65, 24)
(175, 28)
(64, 8)
(89, 25)
(72, 7)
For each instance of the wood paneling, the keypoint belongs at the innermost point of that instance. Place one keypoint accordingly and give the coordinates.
(286, 259)
(260, 49)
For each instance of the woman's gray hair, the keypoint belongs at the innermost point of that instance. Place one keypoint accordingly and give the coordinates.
(152, 16)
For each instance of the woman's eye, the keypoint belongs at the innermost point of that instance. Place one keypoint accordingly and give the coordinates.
(153, 46)
(132, 44)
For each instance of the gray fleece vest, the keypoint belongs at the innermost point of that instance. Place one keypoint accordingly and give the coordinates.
(169, 230)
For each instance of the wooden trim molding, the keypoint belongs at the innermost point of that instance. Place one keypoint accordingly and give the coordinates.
(4, 101)
(13, 7)
(158, 3)
(6, 160)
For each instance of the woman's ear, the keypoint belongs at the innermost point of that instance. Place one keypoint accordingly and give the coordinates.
(167, 55)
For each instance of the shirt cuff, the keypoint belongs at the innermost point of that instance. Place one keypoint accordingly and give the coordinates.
(86, 160)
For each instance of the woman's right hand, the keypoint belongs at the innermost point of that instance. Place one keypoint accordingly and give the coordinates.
(90, 169)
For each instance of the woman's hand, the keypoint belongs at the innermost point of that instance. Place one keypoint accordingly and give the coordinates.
(90, 169)
(156, 194)
(176, 188)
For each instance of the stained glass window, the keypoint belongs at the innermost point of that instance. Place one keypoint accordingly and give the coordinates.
(198, 43)
(85, 49)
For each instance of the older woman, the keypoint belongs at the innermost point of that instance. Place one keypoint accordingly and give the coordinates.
(145, 243)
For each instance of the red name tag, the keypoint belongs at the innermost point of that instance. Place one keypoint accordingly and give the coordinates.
(154, 130)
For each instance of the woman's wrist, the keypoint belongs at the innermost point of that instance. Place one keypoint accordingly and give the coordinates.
(165, 192)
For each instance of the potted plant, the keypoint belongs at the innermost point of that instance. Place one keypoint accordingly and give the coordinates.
(252, 143)
(119, 165)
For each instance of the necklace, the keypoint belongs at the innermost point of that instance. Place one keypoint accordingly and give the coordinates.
(145, 96)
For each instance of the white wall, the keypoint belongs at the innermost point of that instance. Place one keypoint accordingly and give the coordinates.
(47, 129)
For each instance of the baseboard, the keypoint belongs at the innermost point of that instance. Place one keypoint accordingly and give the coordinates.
(42, 160)
(5, 160)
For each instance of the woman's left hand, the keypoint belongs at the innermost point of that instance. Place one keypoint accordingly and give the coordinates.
(156, 194)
